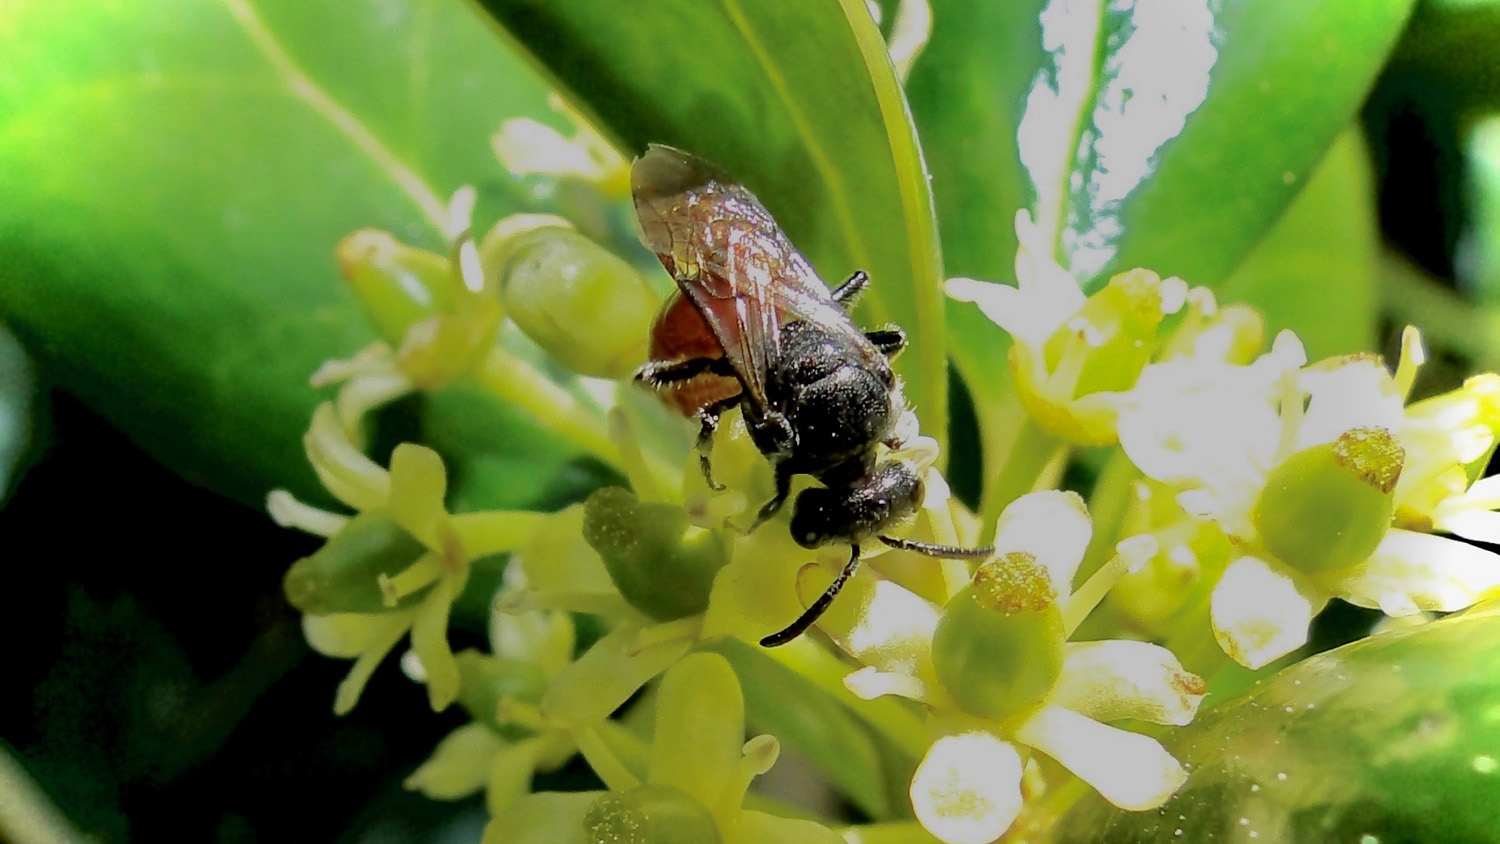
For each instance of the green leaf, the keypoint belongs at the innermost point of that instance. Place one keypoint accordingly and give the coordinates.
(1198, 124)
(177, 175)
(1314, 272)
(796, 100)
(783, 703)
(1393, 738)
(1169, 137)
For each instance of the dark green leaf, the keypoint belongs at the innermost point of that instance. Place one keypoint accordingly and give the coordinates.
(18, 393)
(798, 101)
(175, 180)
(1393, 738)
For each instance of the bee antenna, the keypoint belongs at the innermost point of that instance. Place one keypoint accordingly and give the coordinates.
(931, 549)
(818, 607)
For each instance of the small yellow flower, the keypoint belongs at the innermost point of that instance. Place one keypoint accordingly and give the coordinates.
(411, 494)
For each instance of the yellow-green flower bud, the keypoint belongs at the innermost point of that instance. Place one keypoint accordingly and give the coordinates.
(650, 814)
(662, 563)
(344, 575)
(397, 285)
(998, 647)
(488, 680)
(1118, 325)
(586, 306)
(1325, 508)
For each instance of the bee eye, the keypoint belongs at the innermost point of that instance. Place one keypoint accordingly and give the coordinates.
(810, 538)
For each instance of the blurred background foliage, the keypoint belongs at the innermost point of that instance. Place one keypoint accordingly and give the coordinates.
(174, 176)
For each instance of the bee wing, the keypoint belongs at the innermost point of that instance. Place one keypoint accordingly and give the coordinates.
(726, 254)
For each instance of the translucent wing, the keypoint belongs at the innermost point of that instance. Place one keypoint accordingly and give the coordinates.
(733, 262)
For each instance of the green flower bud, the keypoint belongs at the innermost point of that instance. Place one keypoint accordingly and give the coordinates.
(663, 564)
(344, 575)
(397, 285)
(650, 814)
(587, 307)
(486, 680)
(998, 647)
(1325, 508)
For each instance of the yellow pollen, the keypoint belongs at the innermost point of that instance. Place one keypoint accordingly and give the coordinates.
(1013, 583)
(1372, 454)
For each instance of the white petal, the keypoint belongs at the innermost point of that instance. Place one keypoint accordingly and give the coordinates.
(1260, 613)
(1419, 571)
(968, 788)
(1201, 422)
(1119, 679)
(525, 146)
(1127, 769)
(1480, 525)
(1052, 526)
(1353, 393)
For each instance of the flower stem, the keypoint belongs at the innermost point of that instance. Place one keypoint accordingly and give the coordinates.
(892, 718)
(522, 385)
(1031, 455)
(1108, 503)
(604, 761)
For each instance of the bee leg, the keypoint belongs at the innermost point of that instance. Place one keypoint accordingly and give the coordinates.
(820, 606)
(772, 507)
(708, 422)
(890, 340)
(847, 294)
(658, 374)
(931, 549)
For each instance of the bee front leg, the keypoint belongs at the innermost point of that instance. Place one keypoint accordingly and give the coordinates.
(847, 294)
(772, 507)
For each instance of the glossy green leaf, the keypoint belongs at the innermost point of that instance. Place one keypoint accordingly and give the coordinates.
(176, 175)
(1169, 136)
(1199, 122)
(798, 101)
(966, 97)
(783, 703)
(1390, 739)
(1314, 271)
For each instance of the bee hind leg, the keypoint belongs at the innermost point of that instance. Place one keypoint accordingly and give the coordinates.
(659, 374)
(708, 422)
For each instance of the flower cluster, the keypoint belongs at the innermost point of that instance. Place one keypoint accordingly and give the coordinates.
(1250, 488)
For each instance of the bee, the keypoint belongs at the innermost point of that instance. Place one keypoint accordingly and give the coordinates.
(753, 326)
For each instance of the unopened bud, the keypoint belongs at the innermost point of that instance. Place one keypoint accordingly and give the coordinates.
(344, 576)
(397, 285)
(661, 563)
(584, 305)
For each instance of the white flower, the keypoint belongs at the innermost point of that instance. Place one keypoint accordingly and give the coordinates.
(967, 790)
(1218, 433)
(1072, 354)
